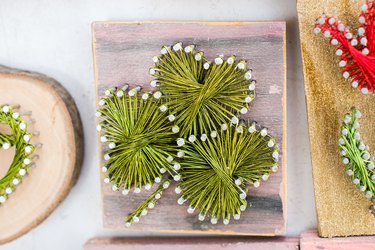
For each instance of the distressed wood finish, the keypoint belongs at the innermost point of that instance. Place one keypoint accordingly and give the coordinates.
(310, 240)
(122, 54)
(342, 210)
(58, 121)
(237, 243)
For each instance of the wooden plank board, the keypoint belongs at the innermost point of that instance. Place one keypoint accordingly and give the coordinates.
(211, 243)
(122, 54)
(60, 158)
(341, 209)
(310, 240)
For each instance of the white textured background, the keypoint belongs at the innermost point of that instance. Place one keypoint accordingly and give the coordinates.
(54, 38)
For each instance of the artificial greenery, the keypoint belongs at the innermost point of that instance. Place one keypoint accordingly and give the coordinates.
(201, 94)
(20, 139)
(360, 165)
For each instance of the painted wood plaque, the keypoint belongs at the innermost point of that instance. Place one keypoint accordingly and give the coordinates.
(210, 243)
(342, 209)
(123, 54)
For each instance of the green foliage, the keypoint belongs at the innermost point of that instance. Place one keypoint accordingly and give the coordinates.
(359, 164)
(20, 139)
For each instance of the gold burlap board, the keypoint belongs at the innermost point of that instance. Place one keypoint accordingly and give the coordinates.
(341, 209)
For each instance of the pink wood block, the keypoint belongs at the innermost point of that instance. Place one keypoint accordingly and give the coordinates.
(237, 243)
(122, 54)
(311, 241)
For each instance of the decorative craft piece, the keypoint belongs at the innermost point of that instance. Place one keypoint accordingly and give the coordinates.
(343, 212)
(43, 113)
(194, 87)
(267, 202)
(19, 137)
(356, 51)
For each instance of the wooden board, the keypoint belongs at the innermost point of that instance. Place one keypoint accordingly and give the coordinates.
(341, 209)
(57, 119)
(310, 240)
(237, 243)
(122, 54)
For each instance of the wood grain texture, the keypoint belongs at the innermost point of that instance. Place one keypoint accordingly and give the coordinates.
(342, 209)
(58, 121)
(211, 243)
(310, 240)
(122, 54)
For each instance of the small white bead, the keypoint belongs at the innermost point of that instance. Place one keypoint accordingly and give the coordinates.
(274, 168)
(342, 63)
(344, 131)
(239, 130)
(343, 152)
(238, 182)
(355, 84)
(180, 142)
(241, 65)
(235, 120)
(339, 52)
(162, 170)
(22, 172)
(135, 219)
(175, 129)
(112, 145)
(203, 137)
(361, 146)
(317, 30)
(15, 181)
(362, 19)
(190, 210)
(224, 127)
(155, 59)
(107, 92)
(106, 157)
(263, 132)
(366, 156)
(132, 92)
(151, 205)
(364, 7)
(106, 180)
(103, 139)
(225, 221)
(5, 109)
(341, 27)
(6, 146)
(265, 177)
(243, 196)
(345, 161)
(189, 48)
(230, 60)
(15, 115)
(102, 102)
(157, 180)
(358, 114)
(219, 61)
(201, 217)
(104, 169)
(321, 20)
(349, 172)
(256, 184)
(154, 83)
(98, 114)
(176, 177)
(361, 31)
(327, 33)
(331, 20)
(354, 42)
(370, 166)
(213, 134)
(98, 128)
(334, 42)
(243, 111)
(243, 208)
(114, 188)
(22, 126)
(341, 141)
(365, 51)
(2, 199)
(252, 86)
(158, 195)
(248, 99)
(177, 190)
(26, 161)
(169, 159)
(157, 94)
(120, 93)
(349, 35)
(369, 194)
(180, 154)
(213, 221)
(362, 188)
(145, 96)
(192, 138)
(8, 190)
(373, 177)
(346, 74)
(364, 41)
(166, 184)
(163, 51)
(206, 65)
(236, 216)
(181, 201)
(248, 75)
(148, 186)
(163, 108)
(125, 192)
(177, 47)
(356, 181)
(364, 91)
(177, 166)
(152, 72)
(198, 57)
(128, 224)
(357, 136)
(144, 212)
(137, 190)
(252, 129)
(171, 118)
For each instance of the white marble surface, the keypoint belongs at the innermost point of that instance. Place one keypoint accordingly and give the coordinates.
(54, 37)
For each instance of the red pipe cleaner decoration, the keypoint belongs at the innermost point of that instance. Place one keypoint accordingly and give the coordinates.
(357, 53)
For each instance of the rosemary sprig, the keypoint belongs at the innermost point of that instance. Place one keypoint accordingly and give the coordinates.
(359, 163)
(20, 139)
(217, 169)
(201, 94)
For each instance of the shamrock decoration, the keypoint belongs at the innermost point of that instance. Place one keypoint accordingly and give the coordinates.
(193, 87)
(359, 163)
(213, 167)
(139, 138)
(20, 139)
(357, 52)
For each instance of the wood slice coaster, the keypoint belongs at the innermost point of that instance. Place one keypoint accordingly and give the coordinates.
(122, 54)
(211, 243)
(342, 209)
(58, 121)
